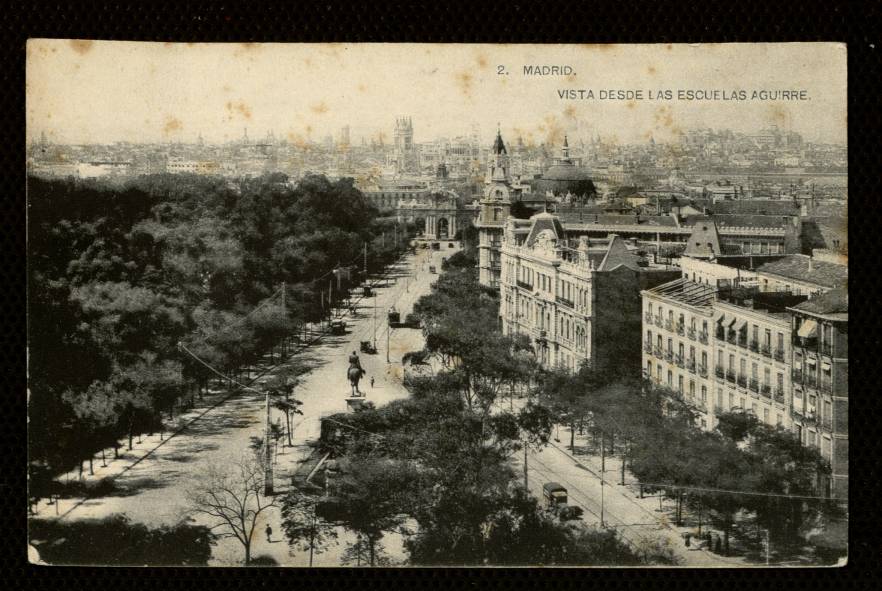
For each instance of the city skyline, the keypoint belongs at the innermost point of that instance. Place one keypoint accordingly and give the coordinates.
(159, 92)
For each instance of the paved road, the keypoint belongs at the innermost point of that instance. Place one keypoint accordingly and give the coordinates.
(154, 491)
(633, 519)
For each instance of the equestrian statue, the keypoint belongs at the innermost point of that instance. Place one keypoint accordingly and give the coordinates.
(355, 373)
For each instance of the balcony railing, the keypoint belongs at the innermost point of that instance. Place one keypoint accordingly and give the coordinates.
(690, 332)
(690, 365)
(669, 356)
(702, 371)
(658, 352)
(766, 390)
(827, 349)
(730, 375)
(702, 337)
(742, 381)
(779, 355)
(779, 395)
(524, 284)
(732, 338)
(659, 322)
(766, 350)
(681, 329)
(754, 346)
(796, 376)
(719, 371)
(805, 343)
(669, 325)
(809, 379)
(678, 359)
(648, 317)
(647, 347)
(564, 302)
(753, 385)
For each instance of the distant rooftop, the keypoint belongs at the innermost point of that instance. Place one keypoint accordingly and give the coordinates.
(756, 206)
(832, 303)
(801, 267)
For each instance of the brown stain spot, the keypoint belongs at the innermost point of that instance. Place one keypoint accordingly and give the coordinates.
(482, 61)
(226, 88)
(663, 118)
(319, 109)
(778, 114)
(464, 81)
(570, 112)
(571, 77)
(307, 62)
(650, 70)
(298, 140)
(238, 108)
(171, 125)
(362, 88)
(81, 46)
(630, 104)
(669, 47)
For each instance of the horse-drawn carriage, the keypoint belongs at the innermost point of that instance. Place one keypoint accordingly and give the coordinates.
(338, 327)
(368, 347)
(394, 317)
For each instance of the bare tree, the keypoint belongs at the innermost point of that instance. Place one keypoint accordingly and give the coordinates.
(232, 498)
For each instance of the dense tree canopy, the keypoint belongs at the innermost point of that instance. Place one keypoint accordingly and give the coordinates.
(119, 275)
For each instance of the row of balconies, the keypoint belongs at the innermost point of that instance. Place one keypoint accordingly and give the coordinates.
(811, 380)
(753, 345)
(812, 344)
(810, 417)
(677, 327)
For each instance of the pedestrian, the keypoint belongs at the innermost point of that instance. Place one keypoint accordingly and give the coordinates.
(269, 533)
(372, 381)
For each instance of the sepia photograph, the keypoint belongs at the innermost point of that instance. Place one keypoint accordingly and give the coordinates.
(437, 305)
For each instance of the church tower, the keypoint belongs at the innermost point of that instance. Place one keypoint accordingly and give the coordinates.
(405, 151)
(494, 211)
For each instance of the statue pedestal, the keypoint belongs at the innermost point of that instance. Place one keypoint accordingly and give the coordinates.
(356, 403)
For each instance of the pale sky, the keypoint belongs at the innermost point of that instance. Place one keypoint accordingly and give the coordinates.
(105, 91)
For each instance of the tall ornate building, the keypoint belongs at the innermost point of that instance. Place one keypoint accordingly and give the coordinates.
(494, 210)
(405, 151)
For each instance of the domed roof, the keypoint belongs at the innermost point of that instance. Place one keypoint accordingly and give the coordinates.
(566, 171)
(562, 178)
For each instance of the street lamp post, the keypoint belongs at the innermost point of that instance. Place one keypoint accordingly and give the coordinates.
(268, 464)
